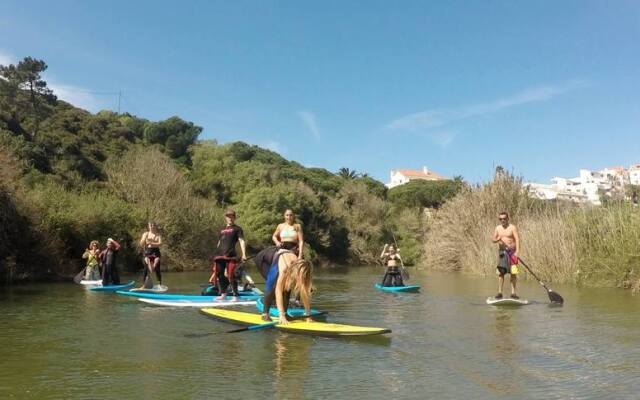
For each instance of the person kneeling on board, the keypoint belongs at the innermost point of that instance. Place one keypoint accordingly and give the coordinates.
(508, 240)
(285, 274)
(391, 259)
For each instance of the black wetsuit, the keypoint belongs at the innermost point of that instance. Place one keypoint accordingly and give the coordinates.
(392, 276)
(109, 270)
(225, 258)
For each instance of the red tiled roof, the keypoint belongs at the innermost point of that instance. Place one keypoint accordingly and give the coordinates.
(419, 174)
(619, 169)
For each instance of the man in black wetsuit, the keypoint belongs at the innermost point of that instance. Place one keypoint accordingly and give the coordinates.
(225, 257)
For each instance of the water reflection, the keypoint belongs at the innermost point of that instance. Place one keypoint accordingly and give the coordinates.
(291, 362)
(506, 346)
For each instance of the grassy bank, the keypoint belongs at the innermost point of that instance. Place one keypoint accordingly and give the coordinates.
(595, 246)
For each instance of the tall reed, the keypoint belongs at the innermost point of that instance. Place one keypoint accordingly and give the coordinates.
(563, 242)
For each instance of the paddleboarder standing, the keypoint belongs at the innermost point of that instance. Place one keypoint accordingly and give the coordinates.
(391, 260)
(151, 242)
(288, 235)
(109, 270)
(508, 239)
(92, 255)
(225, 258)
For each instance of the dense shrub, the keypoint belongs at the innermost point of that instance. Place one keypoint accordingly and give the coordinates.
(420, 193)
(151, 183)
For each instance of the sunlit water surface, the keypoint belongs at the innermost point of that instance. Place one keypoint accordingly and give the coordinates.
(59, 341)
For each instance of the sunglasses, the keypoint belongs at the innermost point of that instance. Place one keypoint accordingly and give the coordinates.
(503, 219)
(230, 215)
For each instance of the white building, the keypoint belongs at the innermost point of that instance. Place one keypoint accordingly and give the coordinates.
(402, 176)
(588, 186)
(634, 174)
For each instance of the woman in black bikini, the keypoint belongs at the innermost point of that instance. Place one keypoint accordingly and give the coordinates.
(288, 235)
(150, 242)
(392, 261)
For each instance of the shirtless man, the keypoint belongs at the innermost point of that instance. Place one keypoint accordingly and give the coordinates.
(508, 240)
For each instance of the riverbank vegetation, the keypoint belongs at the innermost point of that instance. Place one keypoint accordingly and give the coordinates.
(70, 176)
(562, 242)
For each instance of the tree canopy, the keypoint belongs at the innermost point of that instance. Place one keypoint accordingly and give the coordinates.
(86, 176)
(422, 193)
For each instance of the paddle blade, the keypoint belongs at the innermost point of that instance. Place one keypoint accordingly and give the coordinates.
(79, 275)
(148, 283)
(555, 297)
(255, 327)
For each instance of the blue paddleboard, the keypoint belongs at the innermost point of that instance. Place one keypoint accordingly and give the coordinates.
(213, 291)
(167, 296)
(410, 288)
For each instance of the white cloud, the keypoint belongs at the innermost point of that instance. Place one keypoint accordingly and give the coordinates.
(78, 96)
(274, 146)
(6, 58)
(309, 120)
(443, 139)
(438, 117)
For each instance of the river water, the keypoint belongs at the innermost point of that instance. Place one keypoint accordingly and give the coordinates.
(59, 341)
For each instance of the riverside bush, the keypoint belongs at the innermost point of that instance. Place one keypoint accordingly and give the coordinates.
(158, 191)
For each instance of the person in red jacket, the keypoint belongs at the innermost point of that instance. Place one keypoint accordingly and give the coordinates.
(225, 259)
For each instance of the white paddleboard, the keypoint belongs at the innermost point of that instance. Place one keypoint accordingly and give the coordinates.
(200, 304)
(506, 301)
(155, 289)
(91, 283)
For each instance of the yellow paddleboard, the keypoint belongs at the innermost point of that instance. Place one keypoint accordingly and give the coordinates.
(297, 326)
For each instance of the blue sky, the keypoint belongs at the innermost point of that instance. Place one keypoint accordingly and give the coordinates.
(541, 87)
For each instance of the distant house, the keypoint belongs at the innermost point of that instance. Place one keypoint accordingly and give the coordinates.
(402, 176)
(588, 186)
(634, 174)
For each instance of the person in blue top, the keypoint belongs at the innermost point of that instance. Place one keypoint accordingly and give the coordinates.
(285, 275)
